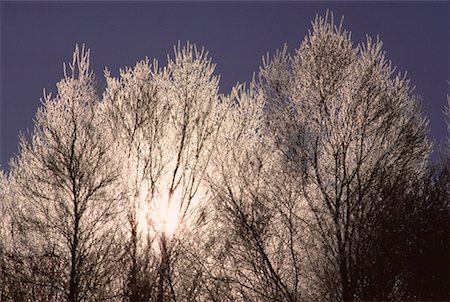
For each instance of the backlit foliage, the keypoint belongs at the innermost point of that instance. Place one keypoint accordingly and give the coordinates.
(311, 183)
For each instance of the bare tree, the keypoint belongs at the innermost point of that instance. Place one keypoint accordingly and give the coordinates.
(338, 129)
(166, 123)
(447, 114)
(256, 232)
(134, 113)
(311, 184)
(347, 129)
(64, 185)
(5, 290)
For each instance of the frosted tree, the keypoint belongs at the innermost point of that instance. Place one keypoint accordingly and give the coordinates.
(256, 236)
(3, 199)
(190, 90)
(5, 291)
(349, 129)
(135, 116)
(237, 141)
(12, 285)
(447, 113)
(311, 184)
(65, 188)
(166, 124)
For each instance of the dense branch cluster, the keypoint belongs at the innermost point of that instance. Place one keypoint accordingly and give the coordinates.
(311, 183)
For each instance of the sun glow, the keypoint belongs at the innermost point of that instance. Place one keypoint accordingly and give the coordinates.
(166, 215)
(160, 214)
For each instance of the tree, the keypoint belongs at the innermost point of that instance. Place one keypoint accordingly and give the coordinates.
(257, 233)
(166, 125)
(134, 113)
(348, 130)
(64, 183)
(235, 182)
(313, 183)
(447, 143)
(447, 113)
(5, 290)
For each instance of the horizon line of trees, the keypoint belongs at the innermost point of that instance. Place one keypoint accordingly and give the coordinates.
(311, 183)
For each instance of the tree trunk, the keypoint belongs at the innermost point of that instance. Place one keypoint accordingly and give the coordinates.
(73, 282)
(347, 294)
(132, 286)
(162, 269)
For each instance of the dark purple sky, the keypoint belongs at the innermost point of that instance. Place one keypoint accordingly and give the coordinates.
(36, 37)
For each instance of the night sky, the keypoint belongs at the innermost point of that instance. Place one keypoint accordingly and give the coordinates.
(37, 37)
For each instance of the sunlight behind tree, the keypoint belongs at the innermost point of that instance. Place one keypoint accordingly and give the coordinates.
(312, 183)
(159, 216)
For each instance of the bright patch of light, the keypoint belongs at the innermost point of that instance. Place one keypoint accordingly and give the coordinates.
(159, 215)
(165, 214)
